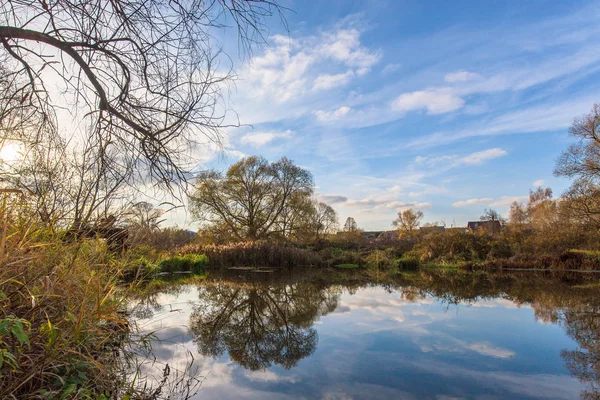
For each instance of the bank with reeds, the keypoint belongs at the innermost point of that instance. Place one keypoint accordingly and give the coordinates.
(63, 322)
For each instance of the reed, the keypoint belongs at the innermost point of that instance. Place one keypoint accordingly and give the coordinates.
(59, 315)
(255, 254)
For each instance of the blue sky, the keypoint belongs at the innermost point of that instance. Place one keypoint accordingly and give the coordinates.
(447, 107)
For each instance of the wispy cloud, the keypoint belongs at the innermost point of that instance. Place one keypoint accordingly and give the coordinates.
(481, 156)
(452, 161)
(508, 200)
(435, 101)
(259, 139)
(332, 115)
(333, 199)
(470, 202)
(460, 76)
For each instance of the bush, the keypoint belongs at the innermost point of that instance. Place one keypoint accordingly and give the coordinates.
(336, 256)
(193, 263)
(407, 262)
(379, 259)
(453, 246)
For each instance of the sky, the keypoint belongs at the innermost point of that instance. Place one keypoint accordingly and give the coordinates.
(445, 107)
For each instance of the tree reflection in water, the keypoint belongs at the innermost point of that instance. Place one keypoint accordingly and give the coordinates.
(260, 325)
(583, 325)
(259, 322)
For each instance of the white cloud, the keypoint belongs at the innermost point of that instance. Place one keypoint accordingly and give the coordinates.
(428, 190)
(291, 68)
(508, 200)
(370, 201)
(326, 82)
(401, 205)
(490, 350)
(481, 156)
(268, 376)
(435, 101)
(333, 198)
(344, 45)
(460, 76)
(538, 183)
(259, 139)
(451, 161)
(325, 116)
(464, 203)
(539, 118)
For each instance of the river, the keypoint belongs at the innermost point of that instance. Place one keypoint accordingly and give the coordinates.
(349, 335)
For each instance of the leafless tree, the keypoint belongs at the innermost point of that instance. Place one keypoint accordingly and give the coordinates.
(582, 162)
(582, 159)
(144, 76)
(72, 187)
(492, 215)
(324, 219)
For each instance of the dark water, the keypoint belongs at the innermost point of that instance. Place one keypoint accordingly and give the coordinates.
(426, 335)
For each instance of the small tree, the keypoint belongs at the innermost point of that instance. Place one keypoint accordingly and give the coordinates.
(408, 222)
(350, 225)
(324, 219)
(517, 216)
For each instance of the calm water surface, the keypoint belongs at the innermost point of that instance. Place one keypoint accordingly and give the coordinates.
(417, 336)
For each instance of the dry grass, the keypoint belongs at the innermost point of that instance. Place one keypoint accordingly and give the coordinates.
(255, 254)
(58, 313)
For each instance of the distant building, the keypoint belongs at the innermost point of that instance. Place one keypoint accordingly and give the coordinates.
(388, 235)
(371, 234)
(457, 229)
(491, 227)
(431, 229)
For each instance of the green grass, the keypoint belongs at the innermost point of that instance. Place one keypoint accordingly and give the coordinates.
(193, 263)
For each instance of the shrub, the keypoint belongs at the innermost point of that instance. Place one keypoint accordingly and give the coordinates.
(379, 259)
(407, 262)
(453, 246)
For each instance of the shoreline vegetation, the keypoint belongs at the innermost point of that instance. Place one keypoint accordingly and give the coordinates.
(63, 316)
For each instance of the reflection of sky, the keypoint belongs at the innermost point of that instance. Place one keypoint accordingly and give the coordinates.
(379, 345)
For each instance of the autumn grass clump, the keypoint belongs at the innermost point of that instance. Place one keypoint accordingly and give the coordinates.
(59, 317)
(193, 263)
(255, 254)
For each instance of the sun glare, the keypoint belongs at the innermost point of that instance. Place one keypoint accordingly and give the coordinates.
(10, 152)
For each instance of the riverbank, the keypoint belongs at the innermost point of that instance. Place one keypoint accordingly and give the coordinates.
(63, 319)
(391, 256)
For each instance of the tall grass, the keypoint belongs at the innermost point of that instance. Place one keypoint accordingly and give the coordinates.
(255, 254)
(58, 313)
(193, 263)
